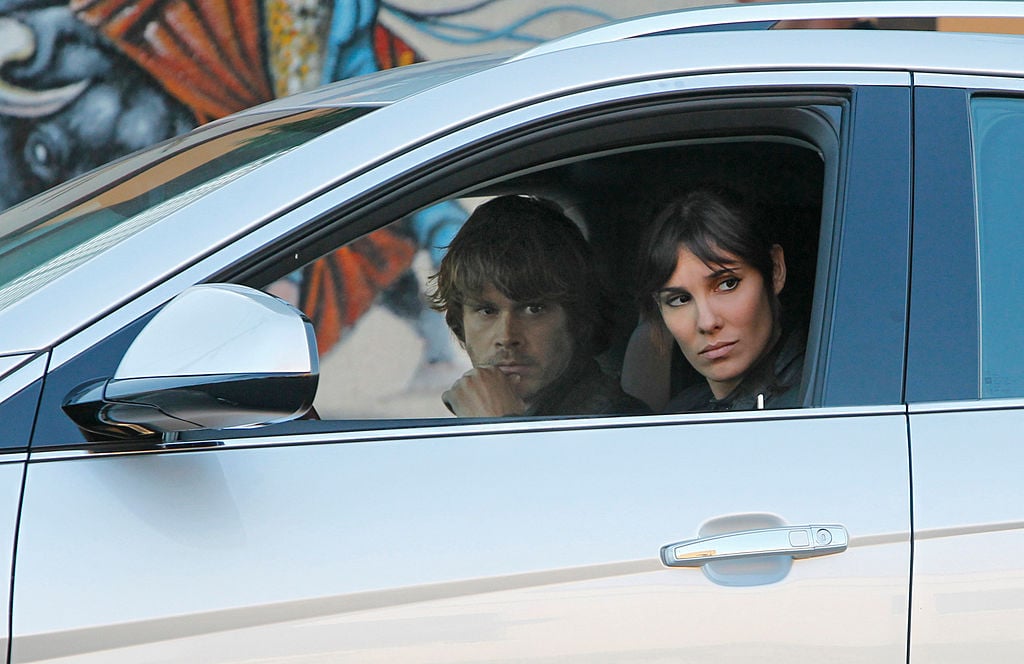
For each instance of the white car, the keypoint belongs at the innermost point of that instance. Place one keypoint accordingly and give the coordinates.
(165, 497)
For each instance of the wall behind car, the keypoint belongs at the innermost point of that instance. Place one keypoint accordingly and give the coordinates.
(85, 81)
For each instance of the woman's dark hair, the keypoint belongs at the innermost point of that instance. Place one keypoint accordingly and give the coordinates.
(714, 223)
(530, 252)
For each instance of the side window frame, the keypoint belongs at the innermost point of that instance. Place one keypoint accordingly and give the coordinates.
(419, 188)
(851, 171)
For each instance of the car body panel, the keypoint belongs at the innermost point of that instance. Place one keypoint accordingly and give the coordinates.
(967, 455)
(492, 524)
(968, 581)
(11, 476)
(21, 384)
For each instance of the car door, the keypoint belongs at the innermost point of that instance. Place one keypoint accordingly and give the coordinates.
(444, 540)
(20, 386)
(964, 371)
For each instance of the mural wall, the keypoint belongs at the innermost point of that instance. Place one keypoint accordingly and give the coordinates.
(85, 81)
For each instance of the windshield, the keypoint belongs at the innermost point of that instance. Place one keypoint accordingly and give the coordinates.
(55, 231)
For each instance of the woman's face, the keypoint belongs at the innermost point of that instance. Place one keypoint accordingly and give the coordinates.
(721, 315)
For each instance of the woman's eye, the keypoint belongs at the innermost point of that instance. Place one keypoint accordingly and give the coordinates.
(729, 284)
(535, 309)
(676, 300)
(485, 311)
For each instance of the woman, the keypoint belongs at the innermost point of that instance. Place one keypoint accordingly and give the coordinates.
(712, 275)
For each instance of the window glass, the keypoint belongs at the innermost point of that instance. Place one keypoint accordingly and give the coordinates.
(63, 232)
(387, 355)
(384, 353)
(998, 153)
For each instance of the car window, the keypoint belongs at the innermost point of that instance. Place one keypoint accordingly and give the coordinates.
(385, 353)
(998, 126)
(387, 359)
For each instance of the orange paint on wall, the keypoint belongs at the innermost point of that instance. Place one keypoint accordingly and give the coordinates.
(1005, 26)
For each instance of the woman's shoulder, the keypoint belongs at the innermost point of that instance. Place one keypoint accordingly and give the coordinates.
(789, 364)
(696, 398)
(776, 382)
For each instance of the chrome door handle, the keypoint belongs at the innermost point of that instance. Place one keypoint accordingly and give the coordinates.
(795, 541)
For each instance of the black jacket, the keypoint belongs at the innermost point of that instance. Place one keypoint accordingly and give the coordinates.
(776, 378)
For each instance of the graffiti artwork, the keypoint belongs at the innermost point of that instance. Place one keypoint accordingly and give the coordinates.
(83, 82)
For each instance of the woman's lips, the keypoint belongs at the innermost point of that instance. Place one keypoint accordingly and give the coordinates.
(717, 351)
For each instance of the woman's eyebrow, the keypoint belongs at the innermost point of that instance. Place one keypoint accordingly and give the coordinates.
(723, 271)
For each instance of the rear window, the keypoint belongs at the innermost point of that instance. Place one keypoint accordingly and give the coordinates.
(998, 146)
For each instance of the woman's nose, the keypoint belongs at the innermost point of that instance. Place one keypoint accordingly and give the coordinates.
(708, 320)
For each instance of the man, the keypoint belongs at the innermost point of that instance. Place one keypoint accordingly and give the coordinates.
(520, 290)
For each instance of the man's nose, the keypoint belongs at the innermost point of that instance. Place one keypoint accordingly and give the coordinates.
(508, 332)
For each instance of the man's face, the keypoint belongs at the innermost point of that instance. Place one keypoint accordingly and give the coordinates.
(527, 339)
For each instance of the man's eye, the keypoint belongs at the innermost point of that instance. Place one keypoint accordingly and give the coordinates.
(535, 308)
(485, 311)
(729, 284)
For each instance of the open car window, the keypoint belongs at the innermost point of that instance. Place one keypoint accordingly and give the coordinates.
(387, 356)
(360, 271)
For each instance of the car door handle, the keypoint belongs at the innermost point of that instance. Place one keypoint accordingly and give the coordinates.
(795, 541)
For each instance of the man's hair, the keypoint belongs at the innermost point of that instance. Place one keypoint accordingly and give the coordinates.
(530, 252)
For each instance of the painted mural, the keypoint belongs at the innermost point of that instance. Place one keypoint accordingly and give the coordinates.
(85, 81)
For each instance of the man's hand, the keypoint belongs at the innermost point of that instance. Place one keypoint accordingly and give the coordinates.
(484, 392)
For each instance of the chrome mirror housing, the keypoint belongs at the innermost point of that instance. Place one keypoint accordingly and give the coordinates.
(217, 356)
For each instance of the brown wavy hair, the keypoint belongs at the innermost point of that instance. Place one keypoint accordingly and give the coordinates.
(530, 251)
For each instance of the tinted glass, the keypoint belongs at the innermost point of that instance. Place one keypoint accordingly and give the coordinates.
(17, 414)
(70, 226)
(999, 164)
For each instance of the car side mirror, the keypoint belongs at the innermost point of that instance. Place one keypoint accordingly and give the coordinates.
(217, 356)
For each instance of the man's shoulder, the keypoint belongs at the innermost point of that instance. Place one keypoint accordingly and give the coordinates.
(595, 393)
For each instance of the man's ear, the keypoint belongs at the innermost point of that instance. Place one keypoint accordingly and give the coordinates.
(778, 268)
